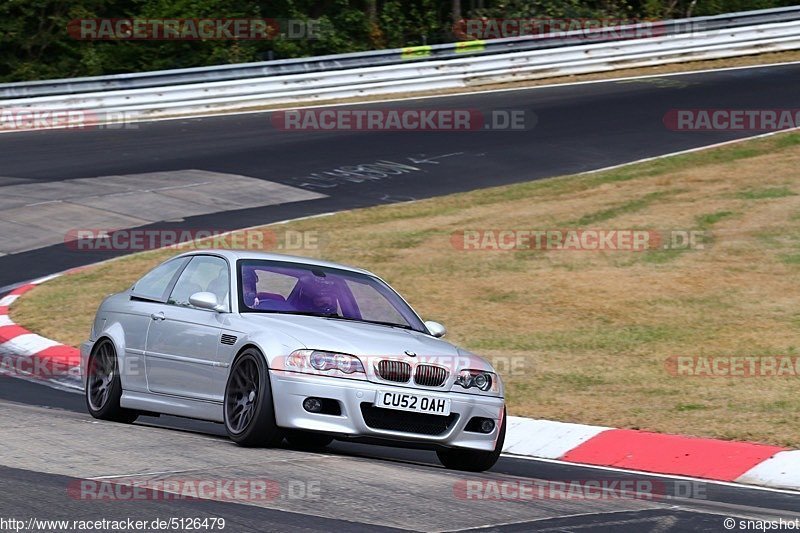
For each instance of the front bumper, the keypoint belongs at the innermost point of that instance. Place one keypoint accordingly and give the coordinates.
(289, 389)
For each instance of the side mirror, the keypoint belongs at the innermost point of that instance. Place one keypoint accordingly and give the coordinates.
(436, 329)
(206, 300)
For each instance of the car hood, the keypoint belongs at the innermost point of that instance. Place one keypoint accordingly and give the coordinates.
(355, 338)
(371, 343)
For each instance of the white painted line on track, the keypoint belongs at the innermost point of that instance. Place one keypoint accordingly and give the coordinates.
(687, 151)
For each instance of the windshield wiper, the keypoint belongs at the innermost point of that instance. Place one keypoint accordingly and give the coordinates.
(380, 323)
(391, 324)
(340, 317)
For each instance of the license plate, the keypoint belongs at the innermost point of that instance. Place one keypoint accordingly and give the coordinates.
(413, 402)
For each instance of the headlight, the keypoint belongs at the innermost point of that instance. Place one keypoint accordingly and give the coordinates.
(313, 361)
(479, 379)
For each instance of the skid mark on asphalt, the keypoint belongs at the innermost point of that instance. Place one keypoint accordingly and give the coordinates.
(661, 83)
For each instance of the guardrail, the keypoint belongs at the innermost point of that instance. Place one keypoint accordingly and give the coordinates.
(383, 57)
(248, 92)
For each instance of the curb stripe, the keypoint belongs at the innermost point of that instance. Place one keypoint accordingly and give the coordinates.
(61, 355)
(6, 301)
(28, 344)
(781, 470)
(546, 438)
(19, 291)
(52, 361)
(671, 454)
(11, 331)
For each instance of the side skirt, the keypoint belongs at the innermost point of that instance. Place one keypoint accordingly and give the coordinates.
(172, 405)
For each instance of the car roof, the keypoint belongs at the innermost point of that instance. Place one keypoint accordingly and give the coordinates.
(235, 255)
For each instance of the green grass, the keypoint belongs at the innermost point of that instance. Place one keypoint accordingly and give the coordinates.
(683, 407)
(766, 193)
(624, 208)
(708, 220)
(791, 259)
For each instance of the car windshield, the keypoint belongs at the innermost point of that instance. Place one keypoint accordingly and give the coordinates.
(296, 288)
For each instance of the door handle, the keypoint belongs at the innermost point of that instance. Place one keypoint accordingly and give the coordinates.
(158, 316)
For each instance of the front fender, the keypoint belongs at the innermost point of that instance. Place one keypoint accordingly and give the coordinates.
(116, 335)
(274, 346)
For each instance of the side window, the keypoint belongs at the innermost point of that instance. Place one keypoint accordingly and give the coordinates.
(204, 273)
(155, 283)
(373, 305)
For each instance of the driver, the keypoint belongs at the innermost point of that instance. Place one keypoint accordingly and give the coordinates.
(321, 294)
(250, 287)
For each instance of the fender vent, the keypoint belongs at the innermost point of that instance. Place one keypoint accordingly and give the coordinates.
(230, 340)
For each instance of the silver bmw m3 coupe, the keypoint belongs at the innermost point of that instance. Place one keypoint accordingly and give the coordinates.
(279, 347)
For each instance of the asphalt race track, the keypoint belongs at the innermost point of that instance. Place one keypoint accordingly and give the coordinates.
(576, 128)
(49, 442)
(362, 485)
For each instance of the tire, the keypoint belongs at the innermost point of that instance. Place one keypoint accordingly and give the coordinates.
(307, 440)
(474, 460)
(104, 387)
(248, 409)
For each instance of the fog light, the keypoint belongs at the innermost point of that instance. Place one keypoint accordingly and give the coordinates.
(478, 424)
(312, 405)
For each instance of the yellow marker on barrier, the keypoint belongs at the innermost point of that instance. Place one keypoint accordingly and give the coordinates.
(415, 52)
(470, 46)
